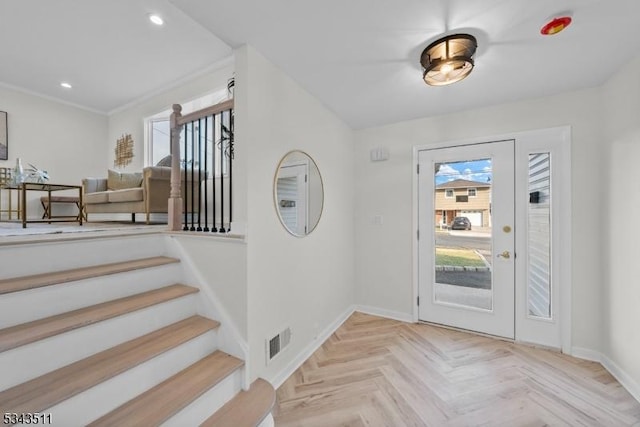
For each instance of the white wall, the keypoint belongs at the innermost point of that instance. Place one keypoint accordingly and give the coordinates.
(621, 212)
(219, 264)
(66, 141)
(384, 252)
(305, 283)
(131, 120)
(218, 267)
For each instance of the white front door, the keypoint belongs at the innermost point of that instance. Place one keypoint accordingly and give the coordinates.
(466, 278)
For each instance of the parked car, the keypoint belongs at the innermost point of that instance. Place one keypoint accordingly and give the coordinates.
(461, 223)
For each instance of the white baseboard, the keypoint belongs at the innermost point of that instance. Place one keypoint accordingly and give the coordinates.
(631, 385)
(582, 353)
(625, 379)
(382, 312)
(586, 354)
(278, 379)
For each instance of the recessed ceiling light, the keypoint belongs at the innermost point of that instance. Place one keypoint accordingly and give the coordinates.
(156, 19)
(65, 85)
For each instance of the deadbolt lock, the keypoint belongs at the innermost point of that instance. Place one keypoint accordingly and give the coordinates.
(505, 255)
(506, 229)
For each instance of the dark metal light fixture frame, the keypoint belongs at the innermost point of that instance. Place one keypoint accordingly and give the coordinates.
(448, 59)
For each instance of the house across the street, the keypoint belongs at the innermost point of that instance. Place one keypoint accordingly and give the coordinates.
(462, 197)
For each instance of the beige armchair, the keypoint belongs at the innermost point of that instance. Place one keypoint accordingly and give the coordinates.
(146, 192)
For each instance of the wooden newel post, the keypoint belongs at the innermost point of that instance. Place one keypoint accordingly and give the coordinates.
(175, 199)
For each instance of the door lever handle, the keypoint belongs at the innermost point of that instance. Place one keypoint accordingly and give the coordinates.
(505, 255)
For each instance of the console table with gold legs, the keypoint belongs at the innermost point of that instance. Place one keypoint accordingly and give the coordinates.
(9, 207)
(23, 188)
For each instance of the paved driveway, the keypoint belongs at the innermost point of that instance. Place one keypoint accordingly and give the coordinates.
(469, 279)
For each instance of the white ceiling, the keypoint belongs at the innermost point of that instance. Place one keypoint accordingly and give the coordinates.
(107, 49)
(359, 57)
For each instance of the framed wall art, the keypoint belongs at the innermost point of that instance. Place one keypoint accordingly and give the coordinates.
(4, 137)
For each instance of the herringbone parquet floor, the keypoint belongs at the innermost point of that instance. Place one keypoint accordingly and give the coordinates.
(380, 372)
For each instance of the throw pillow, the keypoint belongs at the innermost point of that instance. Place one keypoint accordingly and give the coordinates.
(165, 161)
(121, 180)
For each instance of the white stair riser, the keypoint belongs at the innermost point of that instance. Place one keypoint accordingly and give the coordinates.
(32, 360)
(45, 257)
(97, 401)
(33, 304)
(212, 400)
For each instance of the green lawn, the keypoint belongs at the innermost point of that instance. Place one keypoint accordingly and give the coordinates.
(458, 257)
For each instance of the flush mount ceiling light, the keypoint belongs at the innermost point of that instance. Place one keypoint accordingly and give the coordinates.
(65, 85)
(156, 19)
(449, 59)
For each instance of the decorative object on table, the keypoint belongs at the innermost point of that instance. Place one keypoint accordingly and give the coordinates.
(18, 172)
(4, 136)
(33, 174)
(123, 151)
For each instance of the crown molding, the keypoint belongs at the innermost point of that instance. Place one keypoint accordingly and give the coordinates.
(177, 83)
(51, 98)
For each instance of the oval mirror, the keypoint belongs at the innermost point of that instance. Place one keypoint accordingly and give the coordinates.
(298, 193)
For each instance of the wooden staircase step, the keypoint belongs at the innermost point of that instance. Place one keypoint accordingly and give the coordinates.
(49, 389)
(248, 409)
(26, 333)
(167, 398)
(47, 279)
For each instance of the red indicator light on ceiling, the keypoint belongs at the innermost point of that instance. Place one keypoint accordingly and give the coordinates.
(555, 26)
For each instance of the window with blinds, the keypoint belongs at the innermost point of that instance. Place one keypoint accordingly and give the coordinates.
(539, 236)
